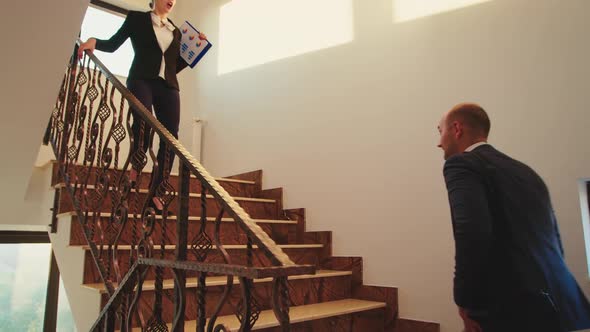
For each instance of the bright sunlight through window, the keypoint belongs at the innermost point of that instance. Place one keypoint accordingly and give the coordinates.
(254, 32)
(407, 10)
(102, 25)
(584, 190)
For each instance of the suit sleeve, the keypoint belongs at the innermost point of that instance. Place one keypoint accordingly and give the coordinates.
(118, 38)
(557, 234)
(472, 229)
(180, 64)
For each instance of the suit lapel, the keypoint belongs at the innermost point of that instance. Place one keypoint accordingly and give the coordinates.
(151, 36)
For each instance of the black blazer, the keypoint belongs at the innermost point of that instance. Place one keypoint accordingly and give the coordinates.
(148, 55)
(508, 247)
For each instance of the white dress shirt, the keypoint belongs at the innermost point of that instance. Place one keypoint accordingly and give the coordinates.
(472, 147)
(163, 30)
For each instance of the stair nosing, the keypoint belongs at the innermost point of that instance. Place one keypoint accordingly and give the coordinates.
(194, 195)
(190, 218)
(298, 314)
(176, 174)
(226, 246)
(148, 285)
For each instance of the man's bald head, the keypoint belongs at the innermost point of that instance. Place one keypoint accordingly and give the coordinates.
(461, 127)
(471, 116)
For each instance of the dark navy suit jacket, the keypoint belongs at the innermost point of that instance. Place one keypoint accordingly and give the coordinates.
(148, 54)
(508, 248)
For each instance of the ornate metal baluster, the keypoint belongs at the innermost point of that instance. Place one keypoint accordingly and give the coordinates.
(201, 302)
(248, 309)
(92, 95)
(200, 248)
(201, 243)
(165, 193)
(281, 302)
(134, 305)
(57, 121)
(181, 246)
(230, 279)
(119, 132)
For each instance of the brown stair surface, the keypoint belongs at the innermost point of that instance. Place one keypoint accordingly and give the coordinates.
(297, 314)
(222, 280)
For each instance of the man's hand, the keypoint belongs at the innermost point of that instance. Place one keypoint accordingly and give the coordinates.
(470, 324)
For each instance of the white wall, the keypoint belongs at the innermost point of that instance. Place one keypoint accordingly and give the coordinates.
(84, 302)
(350, 131)
(38, 38)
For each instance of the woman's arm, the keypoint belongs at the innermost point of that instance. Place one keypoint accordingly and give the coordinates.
(117, 39)
(111, 44)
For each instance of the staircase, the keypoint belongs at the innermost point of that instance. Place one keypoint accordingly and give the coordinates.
(332, 299)
(222, 255)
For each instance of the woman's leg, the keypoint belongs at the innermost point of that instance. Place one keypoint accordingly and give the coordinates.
(143, 91)
(167, 109)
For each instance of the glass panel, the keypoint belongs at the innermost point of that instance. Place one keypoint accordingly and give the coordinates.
(24, 269)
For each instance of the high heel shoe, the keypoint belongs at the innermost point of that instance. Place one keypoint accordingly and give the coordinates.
(158, 206)
(133, 178)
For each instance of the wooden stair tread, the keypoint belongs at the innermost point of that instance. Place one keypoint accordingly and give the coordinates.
(228, 246)
(176, 174)
(297, 314)
(222, 280)
(193, 218)
(193, 195)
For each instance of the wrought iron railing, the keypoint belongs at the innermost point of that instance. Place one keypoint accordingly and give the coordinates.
(90, 132)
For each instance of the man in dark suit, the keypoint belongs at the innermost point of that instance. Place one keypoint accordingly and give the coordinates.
(510, 273)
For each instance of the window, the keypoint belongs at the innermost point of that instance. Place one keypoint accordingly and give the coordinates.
(102, 24)
(584, 190)
(29, 283)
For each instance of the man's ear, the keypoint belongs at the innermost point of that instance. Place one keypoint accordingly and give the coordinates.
(458, 129)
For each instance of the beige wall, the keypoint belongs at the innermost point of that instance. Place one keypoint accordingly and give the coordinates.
(350, 130)
(38, 39)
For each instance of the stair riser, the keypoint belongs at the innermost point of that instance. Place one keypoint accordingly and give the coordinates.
(300, 256)
(233, 188)
(257, 210)
(230, 232)
(408, 325)
(306, 291)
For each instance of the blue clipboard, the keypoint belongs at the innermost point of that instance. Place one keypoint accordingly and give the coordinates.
(192, 49)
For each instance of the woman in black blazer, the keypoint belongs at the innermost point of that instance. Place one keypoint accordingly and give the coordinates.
(152, 76)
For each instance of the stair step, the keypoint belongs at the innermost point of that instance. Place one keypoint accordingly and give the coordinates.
(304, 254)
(193, 195)
(228, 247)
(230, 232)
(175, 174)
(297, 314)
(235, 186)
(192, 218)
(257, 208)
(222, 280)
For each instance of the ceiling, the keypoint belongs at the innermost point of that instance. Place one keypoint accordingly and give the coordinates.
(140, 5)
